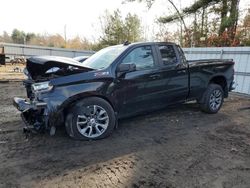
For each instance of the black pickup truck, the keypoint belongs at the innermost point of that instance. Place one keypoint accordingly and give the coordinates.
(117, 82)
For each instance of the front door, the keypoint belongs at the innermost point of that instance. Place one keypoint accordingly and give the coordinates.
(138, 87)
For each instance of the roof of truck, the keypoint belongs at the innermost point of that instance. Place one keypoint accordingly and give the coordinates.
(148, 43)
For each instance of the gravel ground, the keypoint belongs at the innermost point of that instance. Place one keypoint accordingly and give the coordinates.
(175, 147)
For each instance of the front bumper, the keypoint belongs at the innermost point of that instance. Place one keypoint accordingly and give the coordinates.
(33, 113)
(22, 105)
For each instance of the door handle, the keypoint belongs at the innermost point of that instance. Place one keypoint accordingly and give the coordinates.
(181, 71)
(155, 76)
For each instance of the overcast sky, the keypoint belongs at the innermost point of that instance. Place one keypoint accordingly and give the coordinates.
(80, 17)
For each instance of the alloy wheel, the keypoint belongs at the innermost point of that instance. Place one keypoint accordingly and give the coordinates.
(93, 122)
(215, 99)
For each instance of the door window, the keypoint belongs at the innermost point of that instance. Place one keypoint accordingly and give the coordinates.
(142, 57)
(181, 54)
(168, 54)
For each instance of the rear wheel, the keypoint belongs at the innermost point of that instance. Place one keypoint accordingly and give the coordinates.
(90, 119)
(212, 99)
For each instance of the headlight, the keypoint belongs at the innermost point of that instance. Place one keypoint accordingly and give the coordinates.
(25, 71)
(42, 86)
(26, 74)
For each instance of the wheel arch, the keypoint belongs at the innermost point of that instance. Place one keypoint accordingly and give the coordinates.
(222, 81)
(72, 100)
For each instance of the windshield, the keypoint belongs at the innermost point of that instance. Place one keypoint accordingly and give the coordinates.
(103, 58)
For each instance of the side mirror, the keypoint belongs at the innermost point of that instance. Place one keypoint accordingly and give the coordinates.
(124, 68)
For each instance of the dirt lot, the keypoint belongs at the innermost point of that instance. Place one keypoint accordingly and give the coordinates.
(177, 147)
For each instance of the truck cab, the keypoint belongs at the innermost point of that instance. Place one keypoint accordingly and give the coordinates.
(160, 77)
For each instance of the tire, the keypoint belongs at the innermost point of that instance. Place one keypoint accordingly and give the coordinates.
(212, 99)
(91, 118)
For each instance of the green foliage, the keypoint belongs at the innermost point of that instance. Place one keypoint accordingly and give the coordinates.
(222, 29)
(18, 36)
(113, 30)
(55, 40)
(116, 30)
(244, 32)
(246, 21)
(198, 5)
(227, 9)
(132, 28)
(5, 37)
(168, 19)
(30, 36)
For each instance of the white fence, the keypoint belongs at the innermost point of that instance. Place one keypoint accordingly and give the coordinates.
(240, 55)
(13, 50)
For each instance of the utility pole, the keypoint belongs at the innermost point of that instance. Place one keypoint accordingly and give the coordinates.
(24, 39)
(181, 37)
(65, 35)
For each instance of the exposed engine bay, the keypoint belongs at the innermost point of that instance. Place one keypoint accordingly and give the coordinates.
(42, 68)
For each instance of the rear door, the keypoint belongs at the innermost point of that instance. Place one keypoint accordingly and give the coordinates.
(173, 74)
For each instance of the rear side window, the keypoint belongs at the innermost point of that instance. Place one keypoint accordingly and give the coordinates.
(182, 57)
(142, 57)
(168, 54)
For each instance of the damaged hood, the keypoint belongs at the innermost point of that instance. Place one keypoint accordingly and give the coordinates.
(42, 67)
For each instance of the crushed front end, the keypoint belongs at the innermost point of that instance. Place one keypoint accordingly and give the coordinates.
(34, 112)
(41, 110)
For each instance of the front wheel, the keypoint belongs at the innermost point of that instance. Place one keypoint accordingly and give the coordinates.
(212, 99)
(90, 119)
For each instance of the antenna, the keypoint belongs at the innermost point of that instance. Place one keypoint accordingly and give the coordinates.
(126, 43)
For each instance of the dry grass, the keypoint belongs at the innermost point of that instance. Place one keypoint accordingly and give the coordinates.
(11, 72)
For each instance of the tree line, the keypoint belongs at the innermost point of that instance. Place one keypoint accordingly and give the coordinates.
(51, 40)
(114, 30)
(213, 23)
